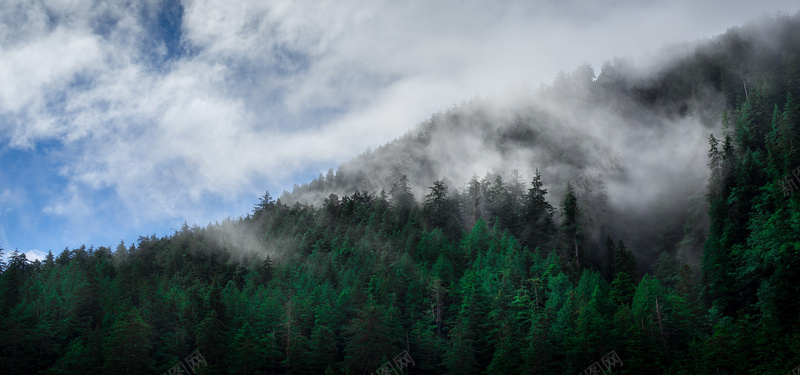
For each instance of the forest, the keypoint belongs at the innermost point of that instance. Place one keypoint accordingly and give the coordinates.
(507, 273)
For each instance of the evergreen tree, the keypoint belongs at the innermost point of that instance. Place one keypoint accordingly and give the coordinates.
(401, 195)
(129, 345)
(472, 202)
(373, 338)
(499, 202)
(210, 335)
(439, 210)
(537, 214)
(346, 286)
(666, 270)
(461, 355)
(571, 230)
(247, 351)
(12, 281)
(624, 275)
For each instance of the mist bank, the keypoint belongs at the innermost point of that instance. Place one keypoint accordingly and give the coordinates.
(632, 138)
(468, 263)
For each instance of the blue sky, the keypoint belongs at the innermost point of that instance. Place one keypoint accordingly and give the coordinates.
(122, 120)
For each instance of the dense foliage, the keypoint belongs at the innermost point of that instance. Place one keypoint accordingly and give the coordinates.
(491, 278)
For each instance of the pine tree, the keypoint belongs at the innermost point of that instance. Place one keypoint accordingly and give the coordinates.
(402, 202)
(666, 270)
(401, 195)
(264, 206)
(648, 345)
(129, 345)
(372, 338)
(12, 280)
(247, 351)
(461, 355)
(74, 360)
(499, 203)
(623, 285)
(210, 335)
(715, 158)
(572, 231)
(472, 202)
(516, 190)
(609, 266)
(439, 211)
(322, 347)
(537, 214)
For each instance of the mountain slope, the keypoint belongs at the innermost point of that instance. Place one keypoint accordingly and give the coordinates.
(571, 129)
(590, 260)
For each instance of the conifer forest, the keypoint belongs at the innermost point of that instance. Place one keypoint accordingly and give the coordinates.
(395, 264)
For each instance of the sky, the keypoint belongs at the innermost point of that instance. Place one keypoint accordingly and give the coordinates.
(127, 119)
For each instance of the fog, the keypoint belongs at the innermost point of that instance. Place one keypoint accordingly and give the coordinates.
(633, 149)
(113, 96)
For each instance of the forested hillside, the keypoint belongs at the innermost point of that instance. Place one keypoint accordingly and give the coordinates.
(534, 268)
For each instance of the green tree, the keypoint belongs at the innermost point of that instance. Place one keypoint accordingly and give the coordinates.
(372, 338)
(265, 204)
(537, 214)
(623, 285)
(401, 195)
(461, 355)
(666, 270)
(499, 201)
(210, 335)
(472, 202)
(129, 345)
(571, 230)
(247, 351)
(12, 280)
(440, 211)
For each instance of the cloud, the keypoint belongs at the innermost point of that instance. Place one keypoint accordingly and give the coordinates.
(35, 254)
(5, 198)
(247, 93)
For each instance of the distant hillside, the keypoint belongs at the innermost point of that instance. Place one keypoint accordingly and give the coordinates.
(629, 240)
(567, 130)
(762, 55)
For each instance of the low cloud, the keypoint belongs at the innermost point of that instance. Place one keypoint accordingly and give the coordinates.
(253, 94)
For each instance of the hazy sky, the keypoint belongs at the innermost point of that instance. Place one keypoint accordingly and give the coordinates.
(125, 120)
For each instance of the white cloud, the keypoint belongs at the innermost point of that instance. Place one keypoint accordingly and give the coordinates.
(95, 78)
(5, 196)
(35, 254)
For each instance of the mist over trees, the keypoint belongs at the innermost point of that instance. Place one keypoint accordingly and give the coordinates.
(640, 112)
(533, 235)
